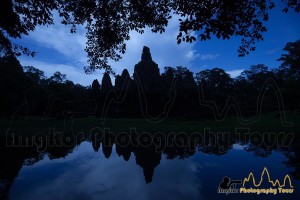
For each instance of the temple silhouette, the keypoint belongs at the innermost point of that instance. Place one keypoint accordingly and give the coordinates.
(146, 72)
(150, 93)
(176, 93)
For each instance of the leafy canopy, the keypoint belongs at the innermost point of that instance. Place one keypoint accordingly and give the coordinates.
(108, 22)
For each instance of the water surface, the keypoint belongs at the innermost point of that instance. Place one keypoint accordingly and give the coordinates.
(90, 170)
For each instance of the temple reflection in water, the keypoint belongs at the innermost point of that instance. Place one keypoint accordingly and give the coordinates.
(148, 156)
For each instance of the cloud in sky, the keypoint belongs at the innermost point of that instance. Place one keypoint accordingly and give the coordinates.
(235, 73)
(164, 49)
(56, 46)
(59, 38)
(209, 56)
(73, 73)
(272, 51)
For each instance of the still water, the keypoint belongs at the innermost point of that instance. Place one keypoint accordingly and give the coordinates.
(89, 170)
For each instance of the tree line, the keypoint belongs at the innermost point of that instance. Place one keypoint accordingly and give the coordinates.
(176, 92)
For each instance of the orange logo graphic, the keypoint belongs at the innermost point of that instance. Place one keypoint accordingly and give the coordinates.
(274, 183)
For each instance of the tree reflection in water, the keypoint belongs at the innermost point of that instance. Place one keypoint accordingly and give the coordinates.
(148, 158)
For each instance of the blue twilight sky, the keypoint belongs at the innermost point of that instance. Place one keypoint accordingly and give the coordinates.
(59, 50)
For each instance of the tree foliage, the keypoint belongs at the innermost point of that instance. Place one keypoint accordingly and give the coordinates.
(291, 59)
(175, 92)
(108, 22)
(35, 75)
(58, 77)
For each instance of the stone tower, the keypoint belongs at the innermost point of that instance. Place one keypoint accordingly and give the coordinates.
(146, 72)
